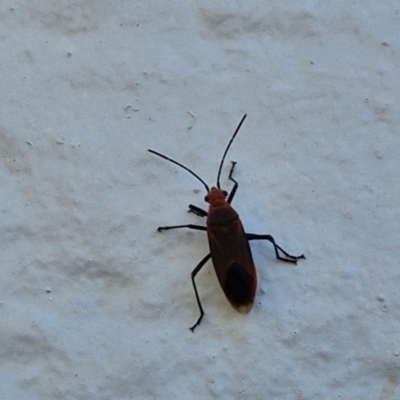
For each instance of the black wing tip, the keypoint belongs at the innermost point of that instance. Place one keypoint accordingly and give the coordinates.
(240, 287)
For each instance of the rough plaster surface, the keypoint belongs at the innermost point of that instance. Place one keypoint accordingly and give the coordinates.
(94, 303)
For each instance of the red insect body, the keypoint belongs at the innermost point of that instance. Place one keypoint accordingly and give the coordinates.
(230, 252)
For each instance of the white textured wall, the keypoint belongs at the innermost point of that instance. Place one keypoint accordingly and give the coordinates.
(94, 303)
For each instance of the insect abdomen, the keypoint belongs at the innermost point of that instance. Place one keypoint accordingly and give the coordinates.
(239, 288)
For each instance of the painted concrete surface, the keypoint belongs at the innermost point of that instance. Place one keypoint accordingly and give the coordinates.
(94, 302)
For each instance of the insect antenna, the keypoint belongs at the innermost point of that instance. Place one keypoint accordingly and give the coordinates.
(227, 148)
(182, 166)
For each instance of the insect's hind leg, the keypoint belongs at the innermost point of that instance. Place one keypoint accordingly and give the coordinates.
(290, 258)
(236, 185)
(194, 273)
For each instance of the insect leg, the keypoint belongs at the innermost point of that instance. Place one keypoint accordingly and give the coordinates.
(190, 226)
(194, 273)
(197, 210)
(233, 191)
(292, 259)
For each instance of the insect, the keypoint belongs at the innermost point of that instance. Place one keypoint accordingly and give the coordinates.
(229, 243)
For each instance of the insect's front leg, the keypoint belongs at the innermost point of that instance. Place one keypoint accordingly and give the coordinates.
(236, 185)
(290, 258)
(198, 211)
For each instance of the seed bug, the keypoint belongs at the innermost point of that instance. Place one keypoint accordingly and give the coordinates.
(229, 243)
